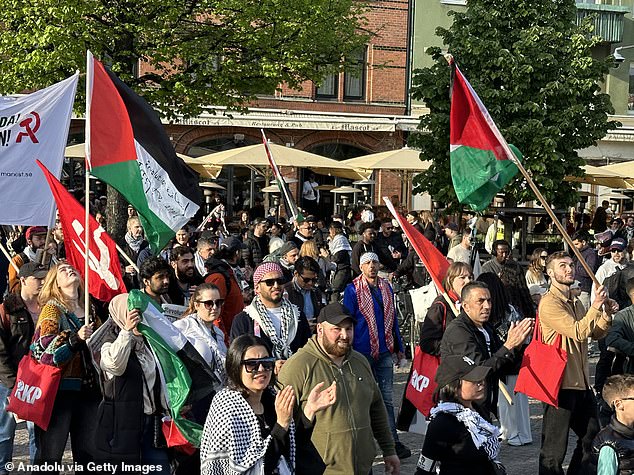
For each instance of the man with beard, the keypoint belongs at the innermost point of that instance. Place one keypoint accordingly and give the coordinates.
(187, 277)
(155, 276)
(271, 316)
(367, 244)
(342, 436)
(561, 316)
(35, 240)
(370, 300)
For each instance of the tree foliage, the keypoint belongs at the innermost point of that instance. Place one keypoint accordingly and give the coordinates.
(192, 52)
(532, 66)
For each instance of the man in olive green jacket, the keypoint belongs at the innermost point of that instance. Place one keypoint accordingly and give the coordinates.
(342, 438)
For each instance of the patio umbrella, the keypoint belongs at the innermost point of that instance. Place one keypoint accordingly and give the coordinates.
(605, 176)
(404, 159)
(255, 156)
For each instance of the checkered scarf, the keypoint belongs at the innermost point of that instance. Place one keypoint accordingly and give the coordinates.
(366, 307)
(282, 342)
(232, 441)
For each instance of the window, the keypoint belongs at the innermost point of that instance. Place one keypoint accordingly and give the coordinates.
(354, 78)
(329, 88)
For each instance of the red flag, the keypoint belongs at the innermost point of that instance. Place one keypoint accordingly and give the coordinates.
(105, 271)
(434, 261)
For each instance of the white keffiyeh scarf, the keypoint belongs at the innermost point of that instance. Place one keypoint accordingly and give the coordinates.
(232, 441)
(288, 325)
(484, 434)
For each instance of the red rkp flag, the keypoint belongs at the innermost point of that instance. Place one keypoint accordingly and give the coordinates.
(435, 263)
(104, 279)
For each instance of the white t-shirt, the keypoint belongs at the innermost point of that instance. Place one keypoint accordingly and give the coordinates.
(275, 314)
(459, 254)
(309, 192)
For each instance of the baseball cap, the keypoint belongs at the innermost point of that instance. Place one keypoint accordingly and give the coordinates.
(452, 226)
(335, 313)
(35, 230)
(232, 243)
(618, 244)
(453, 368)
(33, 269)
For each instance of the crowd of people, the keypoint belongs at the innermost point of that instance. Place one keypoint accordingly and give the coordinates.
(297, 331)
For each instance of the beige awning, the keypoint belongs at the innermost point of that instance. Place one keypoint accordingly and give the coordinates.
(404, 159)
(604, 176)
(255, 156)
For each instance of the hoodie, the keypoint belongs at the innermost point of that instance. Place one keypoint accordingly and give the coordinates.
(342, 440)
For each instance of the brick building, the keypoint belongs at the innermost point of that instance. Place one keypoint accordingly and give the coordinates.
(349, 115)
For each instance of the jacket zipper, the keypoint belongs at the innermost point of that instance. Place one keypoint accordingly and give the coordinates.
(350, 415)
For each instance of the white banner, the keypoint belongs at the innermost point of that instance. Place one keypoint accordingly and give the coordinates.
(33, 126)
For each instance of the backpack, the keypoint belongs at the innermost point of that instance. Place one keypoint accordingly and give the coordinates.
(217, 266)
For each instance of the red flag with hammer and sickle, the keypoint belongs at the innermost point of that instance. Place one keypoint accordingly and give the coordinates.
(104, 280)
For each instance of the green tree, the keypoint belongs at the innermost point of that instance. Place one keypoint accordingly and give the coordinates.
(181, 55)
(191, 53)
(532, 66)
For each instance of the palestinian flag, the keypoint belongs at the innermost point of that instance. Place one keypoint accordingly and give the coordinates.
(289, 203)
(127, 148)
(481, 160)
(186, 377)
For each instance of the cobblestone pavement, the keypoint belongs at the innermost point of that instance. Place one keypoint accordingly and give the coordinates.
(518, 460)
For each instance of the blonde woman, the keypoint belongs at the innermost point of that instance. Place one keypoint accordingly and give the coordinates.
(60, 338)
(536, 273)
(310, 249)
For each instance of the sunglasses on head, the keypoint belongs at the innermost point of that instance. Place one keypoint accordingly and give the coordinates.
(212, 303)
(272, 282)
(253, 365)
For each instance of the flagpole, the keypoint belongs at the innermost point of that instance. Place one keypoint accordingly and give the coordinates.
(49, 233)
(127, 258)
(8, 256)
(87, 169)
(540, 197)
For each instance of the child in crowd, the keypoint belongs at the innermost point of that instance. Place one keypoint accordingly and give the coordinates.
(614, 445)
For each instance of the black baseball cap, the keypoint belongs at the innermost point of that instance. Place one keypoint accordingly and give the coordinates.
(232, 244)
(33, 269)
(453, 368)
(335, 313)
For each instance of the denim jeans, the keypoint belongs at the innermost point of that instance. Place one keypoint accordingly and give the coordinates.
(383, 370)
(7, 431)
(577, 411)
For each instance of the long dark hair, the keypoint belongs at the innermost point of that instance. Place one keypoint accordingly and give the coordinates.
(233, 363)
(499, 297)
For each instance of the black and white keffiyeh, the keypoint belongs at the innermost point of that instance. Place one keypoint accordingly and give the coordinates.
(288, 327)
(232, 442)
(484, 434)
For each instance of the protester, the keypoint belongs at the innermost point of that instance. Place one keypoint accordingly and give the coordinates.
(60, 337)
(155, 276)
(580, 240)
(390, 243)
(276, 238)
(221, 272)
(304, 233)
(218, 216)
(457, 436)
(613, 445)
(135, 243)
(280, 324)
(186, 276)
(620, 337)
(412, 218)
(536, 275)
(343, 436)
(257, 244)
(206, 247)
(198, 325)
(600, 218)
(286, 256)
(461, 252)
(18, 314)
(452, 234)
(340, 252)
(364, 245)
(302, 291)
(250, 428)
(35, 240)
(470, 334)
(370, 300)
(132, 396)
(320, 255)
(559, 315)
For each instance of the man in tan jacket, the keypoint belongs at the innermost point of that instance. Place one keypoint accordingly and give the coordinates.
(560, 314)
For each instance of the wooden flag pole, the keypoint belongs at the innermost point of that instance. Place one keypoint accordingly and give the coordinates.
(8, 256)
(127, 258)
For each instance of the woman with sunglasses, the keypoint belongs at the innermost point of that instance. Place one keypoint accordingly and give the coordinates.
(198, 326)
(536, 273)
(457, 436)
(249, 428)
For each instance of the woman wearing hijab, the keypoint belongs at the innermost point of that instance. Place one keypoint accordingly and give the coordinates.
(129, 415)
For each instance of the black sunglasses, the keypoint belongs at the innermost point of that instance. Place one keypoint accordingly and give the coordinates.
(272, 282)
(308, 280)
(252, 365)
(212, 303)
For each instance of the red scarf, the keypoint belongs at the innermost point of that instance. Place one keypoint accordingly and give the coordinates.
(366, 307)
